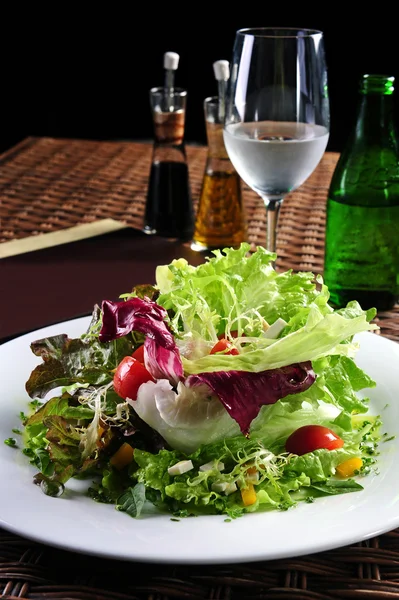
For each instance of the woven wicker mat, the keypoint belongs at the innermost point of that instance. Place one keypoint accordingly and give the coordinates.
(48, 185)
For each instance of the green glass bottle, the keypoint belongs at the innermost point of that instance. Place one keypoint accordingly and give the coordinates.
(362, 221)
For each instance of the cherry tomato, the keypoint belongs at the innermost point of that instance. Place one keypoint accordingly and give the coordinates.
(129, 376)
(233, 334)
(138, 354)
(224, 346)
(312, 437)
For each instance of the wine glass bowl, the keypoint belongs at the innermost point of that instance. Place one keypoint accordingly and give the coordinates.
(277, 115)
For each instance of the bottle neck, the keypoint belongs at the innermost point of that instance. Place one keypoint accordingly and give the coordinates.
(375, 118)
(169, 127)
(216, 147)
(218, 160)
(169, 143)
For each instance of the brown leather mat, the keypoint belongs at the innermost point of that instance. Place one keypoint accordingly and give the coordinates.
(48, 185)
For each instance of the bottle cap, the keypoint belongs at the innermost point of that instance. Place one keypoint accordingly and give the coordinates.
(221, 68)
(377, 84)
(171, 61)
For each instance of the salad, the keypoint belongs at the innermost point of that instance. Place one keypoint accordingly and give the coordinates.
(225, 388)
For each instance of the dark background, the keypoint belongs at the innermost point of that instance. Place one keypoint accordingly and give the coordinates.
(85, 72)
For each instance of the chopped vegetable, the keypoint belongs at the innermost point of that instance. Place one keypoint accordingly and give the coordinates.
(274, 330)
(312, 437)
(252, 475)
(219, 486)
(183, 466)
(212, 465)
(350, 467)
(11, 442)
(122, 457)
(230, 489)
(248, 495)
(138, 354)
(129, 376)
(224, 346)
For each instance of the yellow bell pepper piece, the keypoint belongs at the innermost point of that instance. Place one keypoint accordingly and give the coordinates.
(248, 495)
(100, 433)
(348, 468)
(122, 457)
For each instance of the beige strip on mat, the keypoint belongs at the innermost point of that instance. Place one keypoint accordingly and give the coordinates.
(55, 238)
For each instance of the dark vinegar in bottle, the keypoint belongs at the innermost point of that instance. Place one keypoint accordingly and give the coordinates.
(169, 209)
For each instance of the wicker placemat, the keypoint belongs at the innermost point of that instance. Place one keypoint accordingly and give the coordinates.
(360, 571)
(48, 185)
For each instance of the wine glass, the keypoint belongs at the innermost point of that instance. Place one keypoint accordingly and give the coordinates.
(277, 112)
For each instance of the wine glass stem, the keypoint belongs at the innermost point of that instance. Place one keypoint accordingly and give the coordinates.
(272, 212)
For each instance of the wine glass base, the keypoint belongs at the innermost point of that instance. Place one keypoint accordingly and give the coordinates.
(201, 247)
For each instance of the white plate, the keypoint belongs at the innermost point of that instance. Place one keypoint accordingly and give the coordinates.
(77, 523)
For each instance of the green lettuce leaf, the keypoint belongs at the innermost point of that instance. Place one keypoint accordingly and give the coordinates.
(320, 465)
(62, 406)
(53, 444)
(154, 468)
(67, 361)
(321, 336)
(284, 479)
(238, 291)
(338, 380)
(64, 440)
(235, 290)
(132, 500)
(332, 487)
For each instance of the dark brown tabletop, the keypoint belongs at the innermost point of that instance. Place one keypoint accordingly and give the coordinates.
(55, 284)
(49, 185)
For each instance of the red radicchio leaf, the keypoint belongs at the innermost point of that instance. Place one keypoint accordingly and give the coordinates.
(145, 316)
(243, 393)
(162, 363)
(161, 355)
